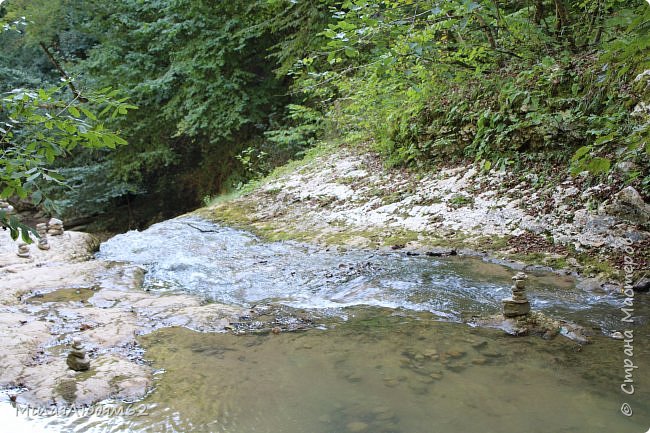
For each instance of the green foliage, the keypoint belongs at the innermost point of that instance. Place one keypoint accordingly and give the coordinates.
(298, 131)
(428, 80)
(40, 126)
(87, 190)
(254, 163)
(200, 76)
(460, 200)
(36, 127)
(16, 228)
(229, 90)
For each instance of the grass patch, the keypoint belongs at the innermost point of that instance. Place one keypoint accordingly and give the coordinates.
(401, 237)
(460, 200)
(393, 197)
(347, 180)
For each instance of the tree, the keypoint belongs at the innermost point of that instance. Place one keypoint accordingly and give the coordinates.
(198, 71)
(39, 126)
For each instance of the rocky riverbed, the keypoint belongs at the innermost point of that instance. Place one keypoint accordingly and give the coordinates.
(167, 276)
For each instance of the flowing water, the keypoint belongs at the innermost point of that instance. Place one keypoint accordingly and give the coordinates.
(387, 352)
(234, 267)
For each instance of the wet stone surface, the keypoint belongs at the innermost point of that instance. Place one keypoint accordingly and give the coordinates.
(179, 257)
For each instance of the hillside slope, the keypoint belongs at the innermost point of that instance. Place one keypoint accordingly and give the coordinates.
(343, 196)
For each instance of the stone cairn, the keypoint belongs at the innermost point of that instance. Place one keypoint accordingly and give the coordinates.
(41, 229)
(517, 305)
(6, 207)
(55, 227)
(77, 358)
(23, 250)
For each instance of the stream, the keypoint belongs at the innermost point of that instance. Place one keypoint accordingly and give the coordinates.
(387, 351)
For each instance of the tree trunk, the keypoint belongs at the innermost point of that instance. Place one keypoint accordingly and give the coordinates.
(563, 22)
(539, 11)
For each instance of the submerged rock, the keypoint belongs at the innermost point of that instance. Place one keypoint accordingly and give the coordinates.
(643, 285)
(357, 426)
(536, 323)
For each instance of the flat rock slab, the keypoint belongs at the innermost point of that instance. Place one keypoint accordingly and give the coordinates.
(40, 315)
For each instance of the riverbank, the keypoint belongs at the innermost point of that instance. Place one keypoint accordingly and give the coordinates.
(63, 293)
(342, 196)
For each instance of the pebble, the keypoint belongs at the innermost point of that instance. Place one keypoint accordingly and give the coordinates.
(419, 388)
(357, 426)
(457, 368)
(389, 428)
(381, 409)
(480, 344)
(385, 416)
(431, 353)
(392, 383)
(454, 353)
(492, 354)
(353, 378)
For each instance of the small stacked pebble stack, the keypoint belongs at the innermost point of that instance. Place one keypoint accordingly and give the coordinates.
(77, 358)
(518, 304)
(55, 227)
(41, 229)
(6, 207)
(23, 250)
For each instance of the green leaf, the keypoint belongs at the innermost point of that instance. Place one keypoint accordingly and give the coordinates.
(89, 114)
(7, 192)
(73, 110)
(599, 165)
(581, 153)
(604, 139)
(352, 53)
(33, 177)
(487, 165)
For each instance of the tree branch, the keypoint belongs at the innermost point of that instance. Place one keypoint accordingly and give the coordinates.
(64, 75)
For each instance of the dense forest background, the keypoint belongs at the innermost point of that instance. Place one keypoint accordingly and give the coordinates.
(225, 91)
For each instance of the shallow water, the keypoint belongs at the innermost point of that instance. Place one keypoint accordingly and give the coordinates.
(235, 267)
(379, 371)
(388, 355)
(62, 295)
(395, 374)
